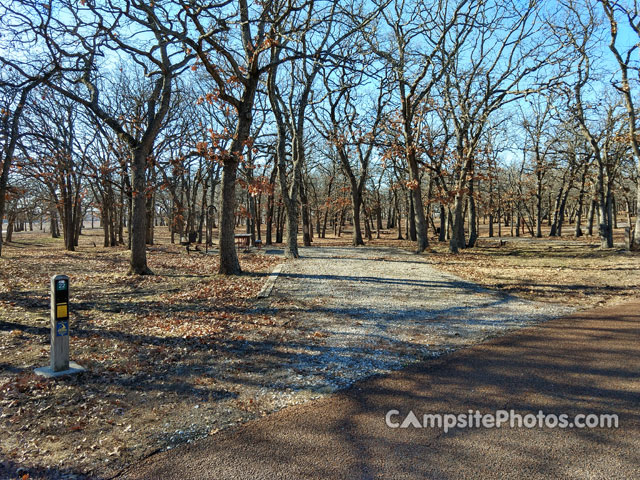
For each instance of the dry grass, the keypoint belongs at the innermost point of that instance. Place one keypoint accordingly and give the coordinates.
(570, 273)
(145, 342)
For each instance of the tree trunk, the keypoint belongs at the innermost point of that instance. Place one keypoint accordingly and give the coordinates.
(590, 217)
(291, 247)
(556, 212)
(378, 216)
(443, 223)
(203, 213)
(53, 216)
(151, 210)
(580, 206)
(629, 223)
(412, 219)
(604, 198)
(129, 219)
(138, 221)
(561, 213)
(306, 221)
(269, 221)
(324, 222)
(420, 221)
(539, 206)
(67, 222)
(229, 264)
(356, 203)
(279, 223)
(104, 219)
(398, 215)
(610, 213)
(457, 240)
(367, 224)
(11, 220)
(636, 234)
(121, 211)
(473, 231)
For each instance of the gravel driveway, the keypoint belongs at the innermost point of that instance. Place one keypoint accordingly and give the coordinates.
(367, 310)
(338, 315)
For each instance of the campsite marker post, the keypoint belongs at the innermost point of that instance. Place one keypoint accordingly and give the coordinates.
(60, 364)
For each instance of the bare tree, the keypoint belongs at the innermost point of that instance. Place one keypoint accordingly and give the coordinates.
(232, 40)
(351, 126)
(77, 36)
(630, 12)
(13, 101)
(499, 64)
(439, 28)
(580, 31)
(536, 123)
(55, 153)
(320, 36)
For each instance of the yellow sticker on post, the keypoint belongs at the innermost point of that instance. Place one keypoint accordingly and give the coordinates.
(61, 310)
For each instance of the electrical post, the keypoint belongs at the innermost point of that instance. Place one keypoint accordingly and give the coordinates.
(60, 364)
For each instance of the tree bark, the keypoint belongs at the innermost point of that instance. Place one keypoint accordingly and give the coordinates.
(291, 247)
(473, 231)
(229, 264)
(539, 204)
(422, 241)
(443, 223)
(580, 206)
(636, 234)
(457, 228)
(604, 226)
(269, 220)
(412, 219)
(138, 221)
(356, 204)
(306, 221)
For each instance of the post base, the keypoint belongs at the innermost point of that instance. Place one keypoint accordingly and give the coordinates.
(48, 372)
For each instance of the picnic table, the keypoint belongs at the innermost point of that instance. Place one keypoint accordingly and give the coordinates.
(243, 239)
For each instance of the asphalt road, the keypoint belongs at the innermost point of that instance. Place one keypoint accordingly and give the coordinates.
(586, 363)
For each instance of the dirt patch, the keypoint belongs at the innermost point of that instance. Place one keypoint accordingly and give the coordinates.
(155, 349)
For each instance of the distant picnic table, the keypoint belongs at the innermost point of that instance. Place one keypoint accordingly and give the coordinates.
(242, 239)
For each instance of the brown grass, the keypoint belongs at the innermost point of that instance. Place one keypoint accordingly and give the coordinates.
(143, 340)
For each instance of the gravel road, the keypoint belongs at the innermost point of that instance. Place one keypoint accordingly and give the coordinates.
(338, 315)
(586, 363)
(372, 310)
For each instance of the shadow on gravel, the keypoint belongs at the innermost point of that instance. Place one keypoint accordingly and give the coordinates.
(427, 315)
(457, 284)
(578, 365)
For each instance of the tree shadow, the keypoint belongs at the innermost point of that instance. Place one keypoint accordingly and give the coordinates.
(566, 367)
(11, 470)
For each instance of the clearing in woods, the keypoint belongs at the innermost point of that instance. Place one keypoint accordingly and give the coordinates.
(186, 353)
